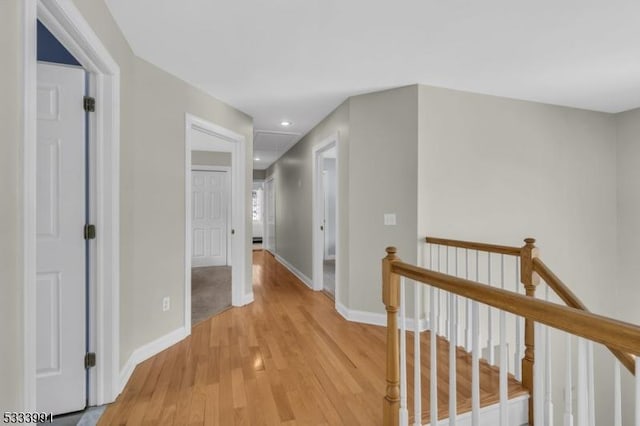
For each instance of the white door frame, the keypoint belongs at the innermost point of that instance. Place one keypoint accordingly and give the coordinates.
(68, 25)
(317, 234)
(237, 242)
(196, 168)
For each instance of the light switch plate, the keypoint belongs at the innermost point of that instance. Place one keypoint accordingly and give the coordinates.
(389, 218)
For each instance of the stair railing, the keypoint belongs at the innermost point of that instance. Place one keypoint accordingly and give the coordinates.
(465, 290)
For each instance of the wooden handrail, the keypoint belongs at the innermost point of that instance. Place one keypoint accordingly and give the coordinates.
(492, 248)
(598, 328)
(572, 300)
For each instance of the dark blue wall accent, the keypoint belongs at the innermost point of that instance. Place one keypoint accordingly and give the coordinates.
(50, 49)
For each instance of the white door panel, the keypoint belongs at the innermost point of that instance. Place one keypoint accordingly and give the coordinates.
(270, 216)
(60, 274)
(210, 194)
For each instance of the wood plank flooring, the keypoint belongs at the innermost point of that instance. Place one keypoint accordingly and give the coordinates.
(288, 358)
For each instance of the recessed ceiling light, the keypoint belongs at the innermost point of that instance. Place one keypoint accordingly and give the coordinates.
(285, 123)
(257, 159)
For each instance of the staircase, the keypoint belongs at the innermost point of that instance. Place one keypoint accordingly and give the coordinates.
(485, 330)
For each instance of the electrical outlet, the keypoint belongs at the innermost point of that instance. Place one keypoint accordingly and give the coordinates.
(166, 304)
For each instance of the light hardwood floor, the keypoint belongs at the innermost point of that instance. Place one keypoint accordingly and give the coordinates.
(288, 358)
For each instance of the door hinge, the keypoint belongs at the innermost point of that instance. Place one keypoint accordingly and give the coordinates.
(89, 104)
(89, 232)
(90, 360)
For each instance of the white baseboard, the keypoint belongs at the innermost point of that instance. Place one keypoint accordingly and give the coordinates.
(147, 351)
(374, 318)
(247, 298)
(302, 277)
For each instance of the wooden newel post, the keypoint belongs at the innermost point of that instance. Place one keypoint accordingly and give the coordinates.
(530, 279)
(391, 300)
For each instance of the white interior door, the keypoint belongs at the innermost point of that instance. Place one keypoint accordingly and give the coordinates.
(209, 220)
(60, 249)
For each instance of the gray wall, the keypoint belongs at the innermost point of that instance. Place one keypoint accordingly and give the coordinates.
(210, 158)
(151, 194)
(293, 188)
(499, 170)
(11, 104)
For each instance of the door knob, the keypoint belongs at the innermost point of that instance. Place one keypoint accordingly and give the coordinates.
(321, 228)
(233, 232)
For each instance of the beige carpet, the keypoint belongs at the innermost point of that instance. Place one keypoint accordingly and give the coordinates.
(210, 291)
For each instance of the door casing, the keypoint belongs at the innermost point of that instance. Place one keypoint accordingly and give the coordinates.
(227, 141)
(318, 213)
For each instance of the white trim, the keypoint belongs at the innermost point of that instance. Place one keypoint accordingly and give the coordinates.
(374, 318)
(247, 298)
(295, 271)
(317, 236)
(225, 169)
(518, 414)
(147, 351)
(238, 150)
(29, 49)
(68, 25)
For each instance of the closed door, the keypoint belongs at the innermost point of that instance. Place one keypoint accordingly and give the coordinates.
(60, 249)
(209, 198)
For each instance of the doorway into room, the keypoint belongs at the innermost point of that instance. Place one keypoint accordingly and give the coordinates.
(325, 217)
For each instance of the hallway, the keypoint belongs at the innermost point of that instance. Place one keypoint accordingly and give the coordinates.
(286, 358)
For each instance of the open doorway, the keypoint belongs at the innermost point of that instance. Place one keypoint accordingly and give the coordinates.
(257, 213)
(215, 230)
(325, 216)
(210, 232)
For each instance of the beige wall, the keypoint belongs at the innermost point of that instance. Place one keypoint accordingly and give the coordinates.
(383, 178)
(628, 155)
(625, 295)
(210, 158)
(378, 174)
(153, 265)
(153, 107)
(293, 180)
(152, 245)
(11, 302)
(499, 170)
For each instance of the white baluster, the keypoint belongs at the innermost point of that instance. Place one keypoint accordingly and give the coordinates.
(404, 413)
(438, 311)
(492, 356)
(568, 394)
(417, 383)
(504, 365)
(519, 342)
(447, 317)
(591, 386)
(617, 395)
(581, 387)
(538, 374)
(475, 364)
(453, 344)
(467, 341)
(433, 374)
(637, 396)
(548, 406)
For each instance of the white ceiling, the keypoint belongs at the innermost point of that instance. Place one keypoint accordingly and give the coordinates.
(297, 60)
